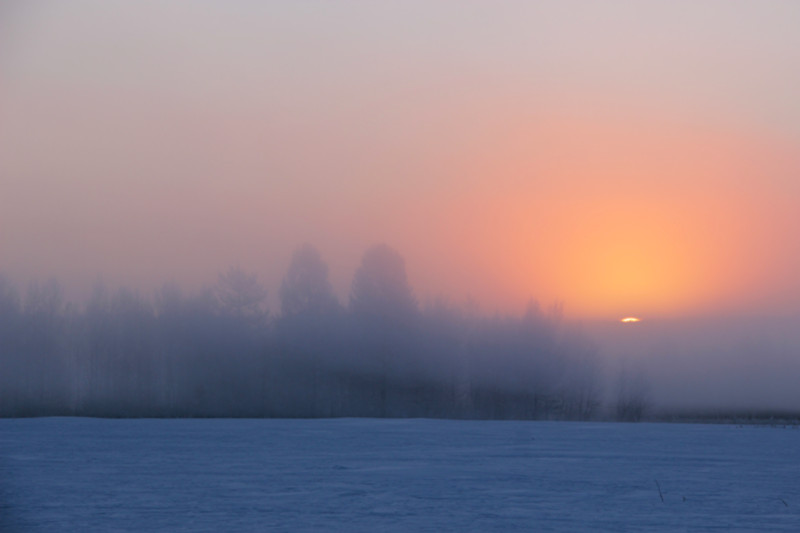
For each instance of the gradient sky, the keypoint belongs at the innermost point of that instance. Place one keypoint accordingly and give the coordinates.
(623, 157)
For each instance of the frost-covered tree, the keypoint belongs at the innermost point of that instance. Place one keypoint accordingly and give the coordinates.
(380, 286)
(11, 361)
(240, 295)
(301, 375)
(306, 289)
(10, 311)
(41, 351)
(384, 312)
(214, 353)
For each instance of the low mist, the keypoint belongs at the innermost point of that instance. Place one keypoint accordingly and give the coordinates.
(222, 351)
(711, 364)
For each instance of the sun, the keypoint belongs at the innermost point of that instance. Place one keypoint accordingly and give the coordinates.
(630, 320)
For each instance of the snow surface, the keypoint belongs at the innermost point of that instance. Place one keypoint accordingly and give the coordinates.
(70, 474)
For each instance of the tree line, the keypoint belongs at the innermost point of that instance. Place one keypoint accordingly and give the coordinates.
(219, 353)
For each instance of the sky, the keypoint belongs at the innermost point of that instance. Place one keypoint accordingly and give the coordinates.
(620, 157)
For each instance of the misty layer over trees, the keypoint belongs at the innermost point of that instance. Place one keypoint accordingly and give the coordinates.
(219, 352)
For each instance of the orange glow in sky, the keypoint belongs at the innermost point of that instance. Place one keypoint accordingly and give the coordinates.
(578, 156)
(607, 214)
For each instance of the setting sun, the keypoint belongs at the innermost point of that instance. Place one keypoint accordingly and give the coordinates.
(225, 224)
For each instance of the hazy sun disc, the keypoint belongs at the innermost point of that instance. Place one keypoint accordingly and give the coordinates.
(630, 319)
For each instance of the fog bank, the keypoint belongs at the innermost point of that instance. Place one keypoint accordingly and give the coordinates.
(222, 351)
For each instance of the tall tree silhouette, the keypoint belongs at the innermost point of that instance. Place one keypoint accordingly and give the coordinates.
(380, 288)
(306, 288)
(384, 309)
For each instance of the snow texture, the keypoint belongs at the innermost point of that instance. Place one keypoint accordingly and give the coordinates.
(71, 474)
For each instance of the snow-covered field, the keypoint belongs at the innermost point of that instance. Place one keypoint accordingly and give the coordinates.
(395, 475)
